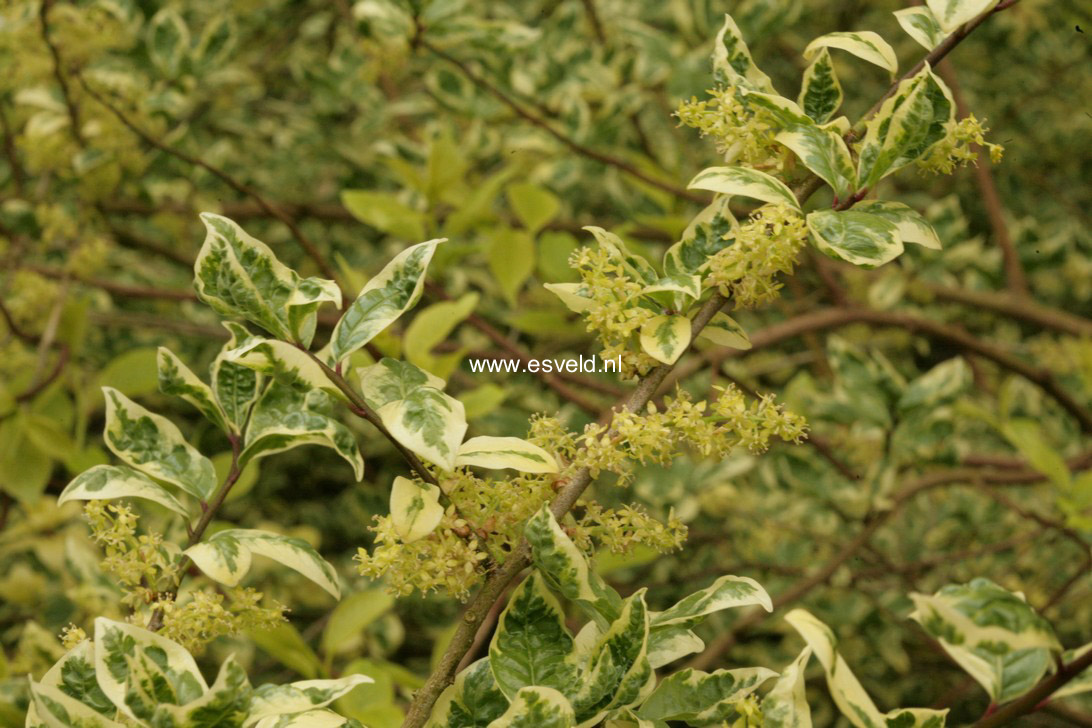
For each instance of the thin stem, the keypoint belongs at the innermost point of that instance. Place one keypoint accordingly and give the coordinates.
(1035, 698)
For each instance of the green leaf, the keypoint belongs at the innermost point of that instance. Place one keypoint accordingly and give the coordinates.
(820, 92)
(289, 415)
(825, 153)
(732, 62)
(711, 230)
(176, 379)
(226, 557)
(534, 206)
(217, 41)
(238, 275)
(235, 387)
(865, 44)
(108, 482)
(472, 701)
(745, 182)
(912, 225)
(152, 444)
(537, 707)
(349, 619)
(727, 592)
(432, 326)
(665, 338)
(531, 645)
(385, 297)
(383, 211)
(991, 633)
(723, 330)
(555, 247)
(565, 569)
(939, 385)
(859, 238)
(786, 705)
(505, 452)
(305, 695)
(951, 14)
(921, 25)
(1027, 437)
(511, 257)
(415, 509)
(285, 644)
(702, 697)
(919, 114)
(168, 41)
(137, 669)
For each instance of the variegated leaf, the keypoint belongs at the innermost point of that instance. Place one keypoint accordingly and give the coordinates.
(238, 275)
(991, 633)
(848, 693)
(235, 387)
(299, 697)
(708, 233)
(912, 225)
(703, 698)
(505, 452)
(821, 92)
(687, 286)
(856, 237)
(723, 330)
(176, 379)
(390, 380)
(309, 719)
(823, 152)
(531, 645)
(472, 701)
(727, 592)
(415, 508)
(919, 114)
(281, 361)
(780, 110)
(427, 422)
(1080, 684)
(384, 298)
(137, 669)
(864, 44)
(616, 672)
(665, 338)
(575, 296)
(786, 705)
(153, 444)
(226, 557)
(732, 62)
(51, 707)
(921, 25)
(565, 569)
(226, 702)
(637, 267)
(744, 182)
(951, 14)
(108, 482)
(670, 642)
(536, 707)
(940, 384)
(74, 675)
(291, 414)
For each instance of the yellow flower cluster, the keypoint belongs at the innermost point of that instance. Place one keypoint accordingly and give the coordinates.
(614, 315)
(958, 150)
(741, 135)
(443, 561)
(619, 530)
(765, 245)
(72, 636)
(144, 565)
(204, 617)
(496, 510)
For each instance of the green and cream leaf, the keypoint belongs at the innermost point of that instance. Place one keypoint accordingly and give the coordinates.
(865, 44)
(744, 182)
(299, 697)
(786, 705)
(505, 452)
(109, 482)
(636, 266)
(415, 509)
(911, 225)
(427, 422)
(536, 707)
(235, 387)
(950, 14)
(723, 330)
(390, 380)
(856, 237)
(820, 92)
(176, 379)
(727, 592)
(711, 230)
(665, 338)
(921, 25)
(823, 152)
(732, 62)
(472, 701)
(384, 298)
(702, 698)
(575, 296)
(153, 444)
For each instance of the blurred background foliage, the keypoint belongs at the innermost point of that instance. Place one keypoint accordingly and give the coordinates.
(506, 127)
